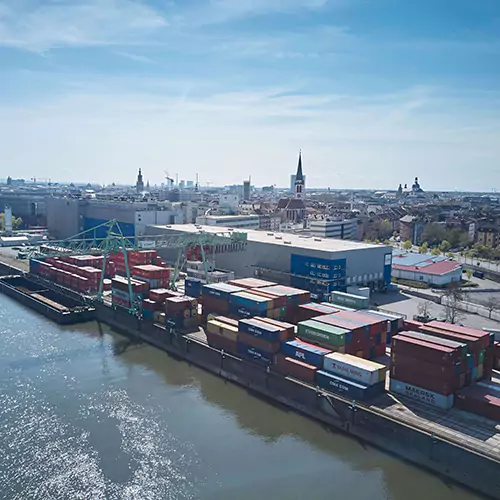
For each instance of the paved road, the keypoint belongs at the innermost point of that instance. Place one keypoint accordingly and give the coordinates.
(8, 256)
(408, 305)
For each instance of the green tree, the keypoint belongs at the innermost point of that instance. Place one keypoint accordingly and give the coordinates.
(433, 233)
(383, 229)
(436, 251)
(468, 273)
(407, 245)
(424, 247)
(444, 246)
(16, 222)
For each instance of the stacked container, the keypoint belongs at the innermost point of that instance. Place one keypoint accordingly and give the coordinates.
(326, 335)
(120, 292)
(292, 298)
(312, 310)
(222, 333)
(349, 300)
(155, 276)
(134, 258)
(215, 298)
(181, 312)
(192, 287)
(427, 368)
(259, 340)
(395, 323)
(249, 283)
(482, 398)
(247, 304)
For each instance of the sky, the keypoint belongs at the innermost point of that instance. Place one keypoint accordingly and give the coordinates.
(374, 92)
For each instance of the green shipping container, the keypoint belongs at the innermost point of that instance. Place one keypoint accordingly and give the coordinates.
(319, 332)
(481, 358)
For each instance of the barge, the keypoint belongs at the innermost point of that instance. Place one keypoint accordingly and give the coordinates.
(454, 444)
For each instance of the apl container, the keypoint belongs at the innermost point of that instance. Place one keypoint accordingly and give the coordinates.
(359, 370)
(348, 388)
(308, 353)
(423, 395)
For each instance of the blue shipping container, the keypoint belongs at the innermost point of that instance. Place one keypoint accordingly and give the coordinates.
(254, 354)
(269, 332)
(147, 314)
(193, 287)
(348, 388)
(244, 312)
(312, 355)
(220, 290)
(249, 303)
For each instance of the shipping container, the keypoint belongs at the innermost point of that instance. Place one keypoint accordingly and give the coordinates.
(359, 331)
(348, 388)
(254, 354)
(375, 324)
(353, 368)
(213, 304)
(439, 370)
(487, 338)
(422, 395)
(396, 323)
(308, 353)
(423, 350)
(259, 343)
(217, 327)
(288, 327)
(222, 343)
(249, 301)
(479, 400)
(291, 367)
(312, 330)
(349, 300)
(249, 283)
(220, 290)
(460, 346)
(444, 384)
(312, 309)
(193, 287)
(266, 331)
(294, 296)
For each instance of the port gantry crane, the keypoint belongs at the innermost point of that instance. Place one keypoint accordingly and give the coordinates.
(88, 243)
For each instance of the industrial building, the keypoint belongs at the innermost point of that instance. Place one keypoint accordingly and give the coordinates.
(69, 216)
(340, 229)
(425, 268)
(317, 264)
(234, 221)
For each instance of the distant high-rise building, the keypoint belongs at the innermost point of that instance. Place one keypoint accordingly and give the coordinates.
(190, 184)
(139, 185)
(182, 185)
(246, 190)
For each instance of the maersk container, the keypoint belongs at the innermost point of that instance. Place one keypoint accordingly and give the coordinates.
(261, 330)
(423, 395)
(308, 353)
(353, 368)
(324, 333)
(255, 354)
(348, 388)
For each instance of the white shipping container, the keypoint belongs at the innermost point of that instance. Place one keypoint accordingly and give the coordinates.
(423, 395)
(348, 366)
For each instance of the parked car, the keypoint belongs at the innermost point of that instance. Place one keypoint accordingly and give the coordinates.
(478, 274)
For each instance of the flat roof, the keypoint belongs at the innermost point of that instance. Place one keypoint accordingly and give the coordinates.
(281, 239)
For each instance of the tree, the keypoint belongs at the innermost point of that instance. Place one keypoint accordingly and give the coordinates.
(452, 299)
(383, 229)
(407, 245)
(444, 246)
(16, 222)
(492, 304)
(424, 247)
(468, 272)
(424, 309)
(433, 233)
(435, 251)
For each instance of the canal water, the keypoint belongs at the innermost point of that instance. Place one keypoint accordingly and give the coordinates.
(86, 415)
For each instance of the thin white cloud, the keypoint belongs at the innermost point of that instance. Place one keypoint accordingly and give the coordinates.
(348, 141)
(39, 27)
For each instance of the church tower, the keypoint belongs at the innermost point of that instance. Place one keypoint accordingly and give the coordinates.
(139, 185)
(299, 180)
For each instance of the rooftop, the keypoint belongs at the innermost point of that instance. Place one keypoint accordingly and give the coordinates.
(424, 263)
(275, 238)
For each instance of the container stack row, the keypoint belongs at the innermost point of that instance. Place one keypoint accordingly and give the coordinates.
(436, 364)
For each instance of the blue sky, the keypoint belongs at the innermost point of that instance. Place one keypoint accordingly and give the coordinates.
(373, 91)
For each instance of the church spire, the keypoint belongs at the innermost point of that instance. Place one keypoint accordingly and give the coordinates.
(299, 177)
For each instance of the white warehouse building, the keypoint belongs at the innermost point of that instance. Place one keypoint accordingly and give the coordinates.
(317, 264)
(225, 221)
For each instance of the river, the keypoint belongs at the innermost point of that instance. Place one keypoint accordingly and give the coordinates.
(86, 415)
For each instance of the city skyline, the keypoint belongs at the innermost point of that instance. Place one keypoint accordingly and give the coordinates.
(374, 95)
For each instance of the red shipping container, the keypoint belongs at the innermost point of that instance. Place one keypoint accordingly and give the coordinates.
(446, 370)
(413, 375)
(174, 305)
(424, 350)
(480, 400)
(294, 368)
(215, 305)
(376, 325)
(258, 343)
(380, 350)
(160, 294)
(471, 332)
(222, 343)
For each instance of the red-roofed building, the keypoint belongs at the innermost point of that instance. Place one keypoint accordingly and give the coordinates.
(431, 270)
